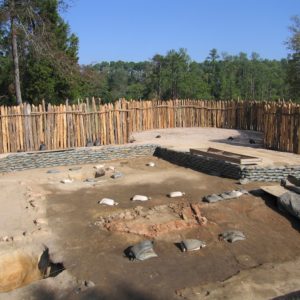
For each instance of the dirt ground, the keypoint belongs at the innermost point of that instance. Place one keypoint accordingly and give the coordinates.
(263, 266)
(183, 139)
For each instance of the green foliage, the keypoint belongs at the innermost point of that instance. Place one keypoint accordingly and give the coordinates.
(293, 67)
(175, 75)
(48, 53)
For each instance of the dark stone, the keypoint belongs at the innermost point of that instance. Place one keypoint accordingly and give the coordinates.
(99, 173)
(97, 142)
(89, 143)
(42, 147)
(132, 140)
(44, 261)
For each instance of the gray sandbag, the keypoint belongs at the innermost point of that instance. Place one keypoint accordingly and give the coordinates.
(244, 181)
(233, 194)
(243, 191)
(294, 180)
(192, 245)
(232, 236)
(290, 202)
(117, 175)
(212, 198)
(289, 184)
(224, 196)
(53, 171)
(143, 250)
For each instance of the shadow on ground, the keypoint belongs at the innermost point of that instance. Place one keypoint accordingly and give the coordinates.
(122, 291)
(290, 296)
(271, 202)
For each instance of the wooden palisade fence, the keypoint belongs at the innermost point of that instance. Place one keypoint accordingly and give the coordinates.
(25, 127)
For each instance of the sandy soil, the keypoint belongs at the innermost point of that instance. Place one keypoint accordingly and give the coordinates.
(183, 139)
(65, 216)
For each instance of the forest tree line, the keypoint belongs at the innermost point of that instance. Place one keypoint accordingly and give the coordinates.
(39, 60)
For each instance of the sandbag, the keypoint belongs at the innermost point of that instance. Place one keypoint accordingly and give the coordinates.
(176, 194)
(294, 180)
(212, 198)
(143, 250)
(290, 202)
(140, 198)
(108, 201)
(232, 236)
(192, 245)
(117, 175)
(225, 195)
(291, 183)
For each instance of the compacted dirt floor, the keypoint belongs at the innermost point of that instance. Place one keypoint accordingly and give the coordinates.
(65, 218)
(96, 254)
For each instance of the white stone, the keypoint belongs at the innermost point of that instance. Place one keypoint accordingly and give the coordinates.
(176, 194)
(66, 180)
(151, 164)
(108, 201)
(99, 166)
(140, 198)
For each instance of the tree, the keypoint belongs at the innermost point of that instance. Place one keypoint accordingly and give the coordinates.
(40, 41)
(9, 13)
(293, 44)
(156, 75)
(213, 70)
(175, 72)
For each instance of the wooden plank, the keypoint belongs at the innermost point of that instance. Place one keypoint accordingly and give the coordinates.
(274, 190)
(226, 156)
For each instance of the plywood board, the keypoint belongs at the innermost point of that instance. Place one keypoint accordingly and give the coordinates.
(274, 190)
(227, 156)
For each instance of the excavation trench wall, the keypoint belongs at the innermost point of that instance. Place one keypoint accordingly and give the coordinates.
(47, 159)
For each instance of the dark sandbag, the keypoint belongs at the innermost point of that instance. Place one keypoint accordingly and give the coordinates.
(143, 250)
(289, 184)
(232, 236)
(290, 202)
(294, 180)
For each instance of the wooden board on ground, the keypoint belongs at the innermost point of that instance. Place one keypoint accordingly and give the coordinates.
(274, 190)
(227, 156)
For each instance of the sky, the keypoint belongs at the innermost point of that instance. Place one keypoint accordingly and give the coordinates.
(136, 30)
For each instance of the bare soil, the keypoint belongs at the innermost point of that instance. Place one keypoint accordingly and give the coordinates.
(66, 218)
(97, 254)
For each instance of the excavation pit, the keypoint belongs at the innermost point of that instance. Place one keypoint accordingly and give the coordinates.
(19, 268)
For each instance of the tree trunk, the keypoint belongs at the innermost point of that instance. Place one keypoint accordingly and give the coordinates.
(15, 52)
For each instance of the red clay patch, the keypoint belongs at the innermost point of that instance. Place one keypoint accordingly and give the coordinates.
(154, 221)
